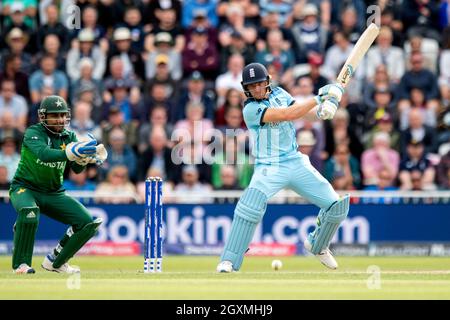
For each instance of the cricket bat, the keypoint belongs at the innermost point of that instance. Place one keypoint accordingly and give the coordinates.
(362, 45)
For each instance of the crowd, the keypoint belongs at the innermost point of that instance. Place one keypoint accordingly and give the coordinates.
(158, 82)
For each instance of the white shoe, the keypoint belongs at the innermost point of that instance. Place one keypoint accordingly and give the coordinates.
(47, 264)
(325, 256)
(24, 268)
(225, 267)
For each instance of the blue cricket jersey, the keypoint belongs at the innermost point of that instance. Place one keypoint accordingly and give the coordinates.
(271, 142)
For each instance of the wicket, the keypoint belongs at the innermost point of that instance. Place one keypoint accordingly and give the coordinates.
(153, 225)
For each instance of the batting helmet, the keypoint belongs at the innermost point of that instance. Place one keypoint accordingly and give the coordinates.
(253, 73)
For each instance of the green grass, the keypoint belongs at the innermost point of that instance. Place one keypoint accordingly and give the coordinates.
(194, 278)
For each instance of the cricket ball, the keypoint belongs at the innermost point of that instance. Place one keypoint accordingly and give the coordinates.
(276, 264)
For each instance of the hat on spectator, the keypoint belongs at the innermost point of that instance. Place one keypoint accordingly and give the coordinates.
(236, 34)
(306, 138)
(122, 34)
(16, 33)
(162, 58)
(17, 7)
(86, 35)
(163, 37)
(196, 75)
(309, 10)
(114, 109)
(120, 83)
(200, 30)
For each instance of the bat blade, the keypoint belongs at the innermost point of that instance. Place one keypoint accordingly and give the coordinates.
(359, 50)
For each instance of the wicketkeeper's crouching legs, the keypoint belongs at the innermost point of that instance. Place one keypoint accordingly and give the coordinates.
(24, 233)
(248, 213)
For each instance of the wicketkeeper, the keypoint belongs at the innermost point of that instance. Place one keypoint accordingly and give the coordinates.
(268, 113)
(37, 187)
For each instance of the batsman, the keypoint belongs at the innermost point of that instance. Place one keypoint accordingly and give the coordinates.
(47, 148)
(269, 114)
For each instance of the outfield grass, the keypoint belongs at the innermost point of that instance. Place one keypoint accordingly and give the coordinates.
(194, 278)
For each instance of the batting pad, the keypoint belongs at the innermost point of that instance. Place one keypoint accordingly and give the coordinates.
(76, 241)
(249, 212)
(328, 222)
(24, 234)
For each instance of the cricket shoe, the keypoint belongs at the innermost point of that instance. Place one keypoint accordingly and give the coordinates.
(325, 256)
(23, 269)
(225, 267)
(47, 264)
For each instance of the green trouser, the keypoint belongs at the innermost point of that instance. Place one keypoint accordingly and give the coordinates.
(28, 205)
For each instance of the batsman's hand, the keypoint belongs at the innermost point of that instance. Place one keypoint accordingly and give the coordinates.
(327, 109)
(334, 90)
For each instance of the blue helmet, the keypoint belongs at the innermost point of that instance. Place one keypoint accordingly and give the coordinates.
(253, 73)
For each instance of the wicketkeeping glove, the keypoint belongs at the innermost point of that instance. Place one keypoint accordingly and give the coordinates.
(79, 150)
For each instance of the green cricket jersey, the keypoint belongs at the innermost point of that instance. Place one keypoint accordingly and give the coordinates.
(43, 160)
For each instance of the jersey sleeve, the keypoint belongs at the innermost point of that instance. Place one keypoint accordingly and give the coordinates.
(288, 98)
(37, 143)
(253, 114)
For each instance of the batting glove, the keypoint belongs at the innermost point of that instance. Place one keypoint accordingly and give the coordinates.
(327, 109)
(331, 90)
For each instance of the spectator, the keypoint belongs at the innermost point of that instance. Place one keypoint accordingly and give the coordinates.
(194, 191)
(133, 22)
(275, 54)
(23, 11)
(158, 118)
(418, 77)
(236, 22)
(116, 121)
(86, 49)
(443, 172)
(201, 20)
(8, 128)
(47, 80)
(416, 171)
(165, 53)
(80, 182)
(378, 158)
(228, 179)
(89, 20)
(133, 64)
(310, 36)
(82, 123)
(307, 145)
(382, 104)
(382, 82)
(154, 10)
(167, 22)
(121, 98)
(119, 154)
(231, 79)
(233, 99)
(9, 156)
(386, 54)
(338, 7)
(383, 124)
(234, 124)
(88, 89)
(16, 18)
(14, 103)
(158, 94)
(196, 92)
(200, 55)
(417, 102)
(338, 132)
(342, 169)
(421, 17)
(52, 47)
(250, 8)
(419, 132)
(234, 156)
(237, 46)
(11, 71)
(118, 73)
(157, 155)
(54, 27)
(429, 48)
(315, 62)
(163, 77)
(16, 41)
(117, 188)
(4, 182)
